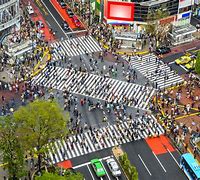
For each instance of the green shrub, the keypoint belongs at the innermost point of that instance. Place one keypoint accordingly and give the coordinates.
(129, 169)
(197, 65)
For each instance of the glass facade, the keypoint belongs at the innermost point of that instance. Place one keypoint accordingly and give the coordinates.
(143, 7)
(9, 13)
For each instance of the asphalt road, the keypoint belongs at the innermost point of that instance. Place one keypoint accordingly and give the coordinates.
(54, 19)
(159, 166)
(170, 169)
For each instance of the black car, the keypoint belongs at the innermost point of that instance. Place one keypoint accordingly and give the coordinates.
(65, 26)
(162, 50)
(69, 12)
(62, 3)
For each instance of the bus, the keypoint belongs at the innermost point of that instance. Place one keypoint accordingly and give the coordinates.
(190, 166)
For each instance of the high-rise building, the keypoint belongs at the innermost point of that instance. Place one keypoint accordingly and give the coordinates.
(9, 15)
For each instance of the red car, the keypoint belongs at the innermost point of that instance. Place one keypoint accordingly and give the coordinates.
(76, 21)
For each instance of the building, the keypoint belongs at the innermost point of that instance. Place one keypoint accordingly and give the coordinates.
(9, 16)
(135, 13)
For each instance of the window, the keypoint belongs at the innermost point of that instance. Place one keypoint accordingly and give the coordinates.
(185, 9)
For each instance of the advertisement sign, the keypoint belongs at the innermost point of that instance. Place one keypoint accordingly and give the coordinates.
(168, 20)
(123, 11)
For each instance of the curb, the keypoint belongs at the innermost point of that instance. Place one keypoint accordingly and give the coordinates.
(117, 158)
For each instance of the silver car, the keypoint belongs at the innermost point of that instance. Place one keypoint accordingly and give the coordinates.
(113, 166)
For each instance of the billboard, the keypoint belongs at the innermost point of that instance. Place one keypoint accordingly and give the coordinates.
(123, 11)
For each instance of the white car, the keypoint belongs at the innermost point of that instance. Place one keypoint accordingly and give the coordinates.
(30, 10)
(113, 166)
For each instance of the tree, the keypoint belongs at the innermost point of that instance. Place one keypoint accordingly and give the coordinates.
(155, 28)
(197, 65)
(50, 176)
(38, 123)
(71, 175)
(12, 152)
(129, 169)
(68, 175)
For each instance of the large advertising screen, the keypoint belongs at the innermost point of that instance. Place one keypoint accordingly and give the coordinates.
(120, 11)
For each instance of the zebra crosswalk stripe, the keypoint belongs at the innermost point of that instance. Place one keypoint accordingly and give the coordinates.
(61, 78)
(74, 47)
(148, 65)
(106, 137)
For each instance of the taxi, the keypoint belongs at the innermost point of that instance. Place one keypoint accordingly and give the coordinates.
(183, 60)
(191, 64)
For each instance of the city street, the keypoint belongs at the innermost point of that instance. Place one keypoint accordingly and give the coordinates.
(77, 95)
(149, 165)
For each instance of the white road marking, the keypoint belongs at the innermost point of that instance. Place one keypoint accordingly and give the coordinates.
(76, 32)
(90, 172)
(144, 165)
(105, 169)
(191, 49)
(81, 165)
(60, 15)
(159, 162)
(87, 163)
(171, 62)
(173, 158)
(54, 18)
(184, 68)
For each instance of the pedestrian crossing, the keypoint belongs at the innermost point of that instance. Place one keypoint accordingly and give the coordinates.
(74, 47)
(156, 71)
(105, 137)
(98, 87)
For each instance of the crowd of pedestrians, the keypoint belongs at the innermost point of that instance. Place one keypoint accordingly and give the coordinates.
(180, 102)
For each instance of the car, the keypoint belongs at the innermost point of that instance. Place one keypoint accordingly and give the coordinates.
(162, 50)
(65, 26)
(30, 10)
(69, 12)
(76, 21)
(184, 59)
(62, 3)
(98, 167)
(40, 24)
(113, 167)
(191, 64)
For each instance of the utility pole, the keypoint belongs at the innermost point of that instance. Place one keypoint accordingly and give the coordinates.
(89, 20)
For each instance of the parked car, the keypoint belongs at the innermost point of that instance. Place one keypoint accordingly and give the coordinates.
(62, 3)
(185, 59)
(30, 10)
(76, 21)
(65, 26)
(113, 167)
(162, 50)
(98, 167)
(69, 12)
